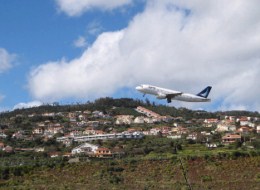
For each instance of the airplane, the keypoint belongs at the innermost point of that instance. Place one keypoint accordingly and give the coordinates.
(163, 93)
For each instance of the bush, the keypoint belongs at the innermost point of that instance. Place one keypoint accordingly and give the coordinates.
(206, 178)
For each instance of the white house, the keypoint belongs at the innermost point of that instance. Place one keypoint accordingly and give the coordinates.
(2, 135)
(258, 129)
(124, 119)
(83, 148)
(223, 127)
(139, 120)
(147, 112)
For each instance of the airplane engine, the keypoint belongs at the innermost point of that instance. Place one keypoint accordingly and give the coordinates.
(161, 96)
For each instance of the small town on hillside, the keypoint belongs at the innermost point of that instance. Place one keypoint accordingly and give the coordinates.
(81, 132)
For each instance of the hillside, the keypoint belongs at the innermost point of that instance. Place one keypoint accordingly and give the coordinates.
(128, 144)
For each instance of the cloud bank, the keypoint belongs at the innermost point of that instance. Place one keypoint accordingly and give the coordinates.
(28, 105)
(6, 60)
(77, 7)
(183, 45)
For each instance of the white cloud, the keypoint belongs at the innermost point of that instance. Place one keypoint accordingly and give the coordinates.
(94, 28)
(82, 76)
(28, 105)
(77, 7)
(80, 42)
(177, 44)
(6, 60)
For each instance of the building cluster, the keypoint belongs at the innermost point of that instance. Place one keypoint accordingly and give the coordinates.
(83, 127)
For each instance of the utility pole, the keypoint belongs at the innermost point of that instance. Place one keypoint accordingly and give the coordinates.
(184, 174)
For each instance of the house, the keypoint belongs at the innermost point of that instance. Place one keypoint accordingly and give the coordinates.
(98, 114)
(223, 127)
(211, 145)
(231, 138)
(2, 145)
(42, 125)
(210, 121)
(230, 118)
(54, 130)
(192, 136)
(71, 115)
(166, 119)
(99, 132)
(244, 130)
(73, 120)
(180, 130)
(245, 121)
(38, 131)
(2, 135)
(124, 119)
(174, 136)
(18, 135)
(147, 112)
(150, 120)
(93, 124)
(258, 129)
(89, 131)
(87, 112)
(165, 130)
(41, 149)
(103, 153)
(82, 123)
(139, 120)
(155, 131)
(32, 115)
(54, 154)
(146, 132)
(24, 149)
(8, 149)
(67, 154)
(84, 148)
(67, 141)
(75, 133)
(48, 114)
(82, 117)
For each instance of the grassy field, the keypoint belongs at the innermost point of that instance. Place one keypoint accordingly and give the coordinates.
(146, 173)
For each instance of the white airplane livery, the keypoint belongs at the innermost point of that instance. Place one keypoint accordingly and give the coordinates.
(163, 93)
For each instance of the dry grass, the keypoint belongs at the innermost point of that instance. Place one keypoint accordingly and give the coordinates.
(242, 173)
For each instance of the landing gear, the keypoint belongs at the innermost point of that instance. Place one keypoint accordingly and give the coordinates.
(169, 100)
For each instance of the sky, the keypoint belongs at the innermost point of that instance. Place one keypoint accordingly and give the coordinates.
(77, 51)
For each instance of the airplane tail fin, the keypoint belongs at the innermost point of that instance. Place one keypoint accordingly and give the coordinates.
(204, 93)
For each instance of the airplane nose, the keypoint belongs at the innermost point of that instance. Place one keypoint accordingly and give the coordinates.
(138, 88)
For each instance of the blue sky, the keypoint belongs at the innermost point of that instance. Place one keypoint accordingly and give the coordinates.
(75, 51)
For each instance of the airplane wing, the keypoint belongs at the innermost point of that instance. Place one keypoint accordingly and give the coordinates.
(172, 95)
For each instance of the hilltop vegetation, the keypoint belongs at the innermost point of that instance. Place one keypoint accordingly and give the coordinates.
(122, 105)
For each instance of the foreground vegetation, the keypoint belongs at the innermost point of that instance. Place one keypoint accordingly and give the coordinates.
(150, 163)
(202, 173)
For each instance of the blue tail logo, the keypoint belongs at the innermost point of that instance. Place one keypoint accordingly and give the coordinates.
(204, 93)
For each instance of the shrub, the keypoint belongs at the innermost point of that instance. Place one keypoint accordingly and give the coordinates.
(206, 178)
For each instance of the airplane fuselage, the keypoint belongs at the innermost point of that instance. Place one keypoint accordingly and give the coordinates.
(164, 93)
